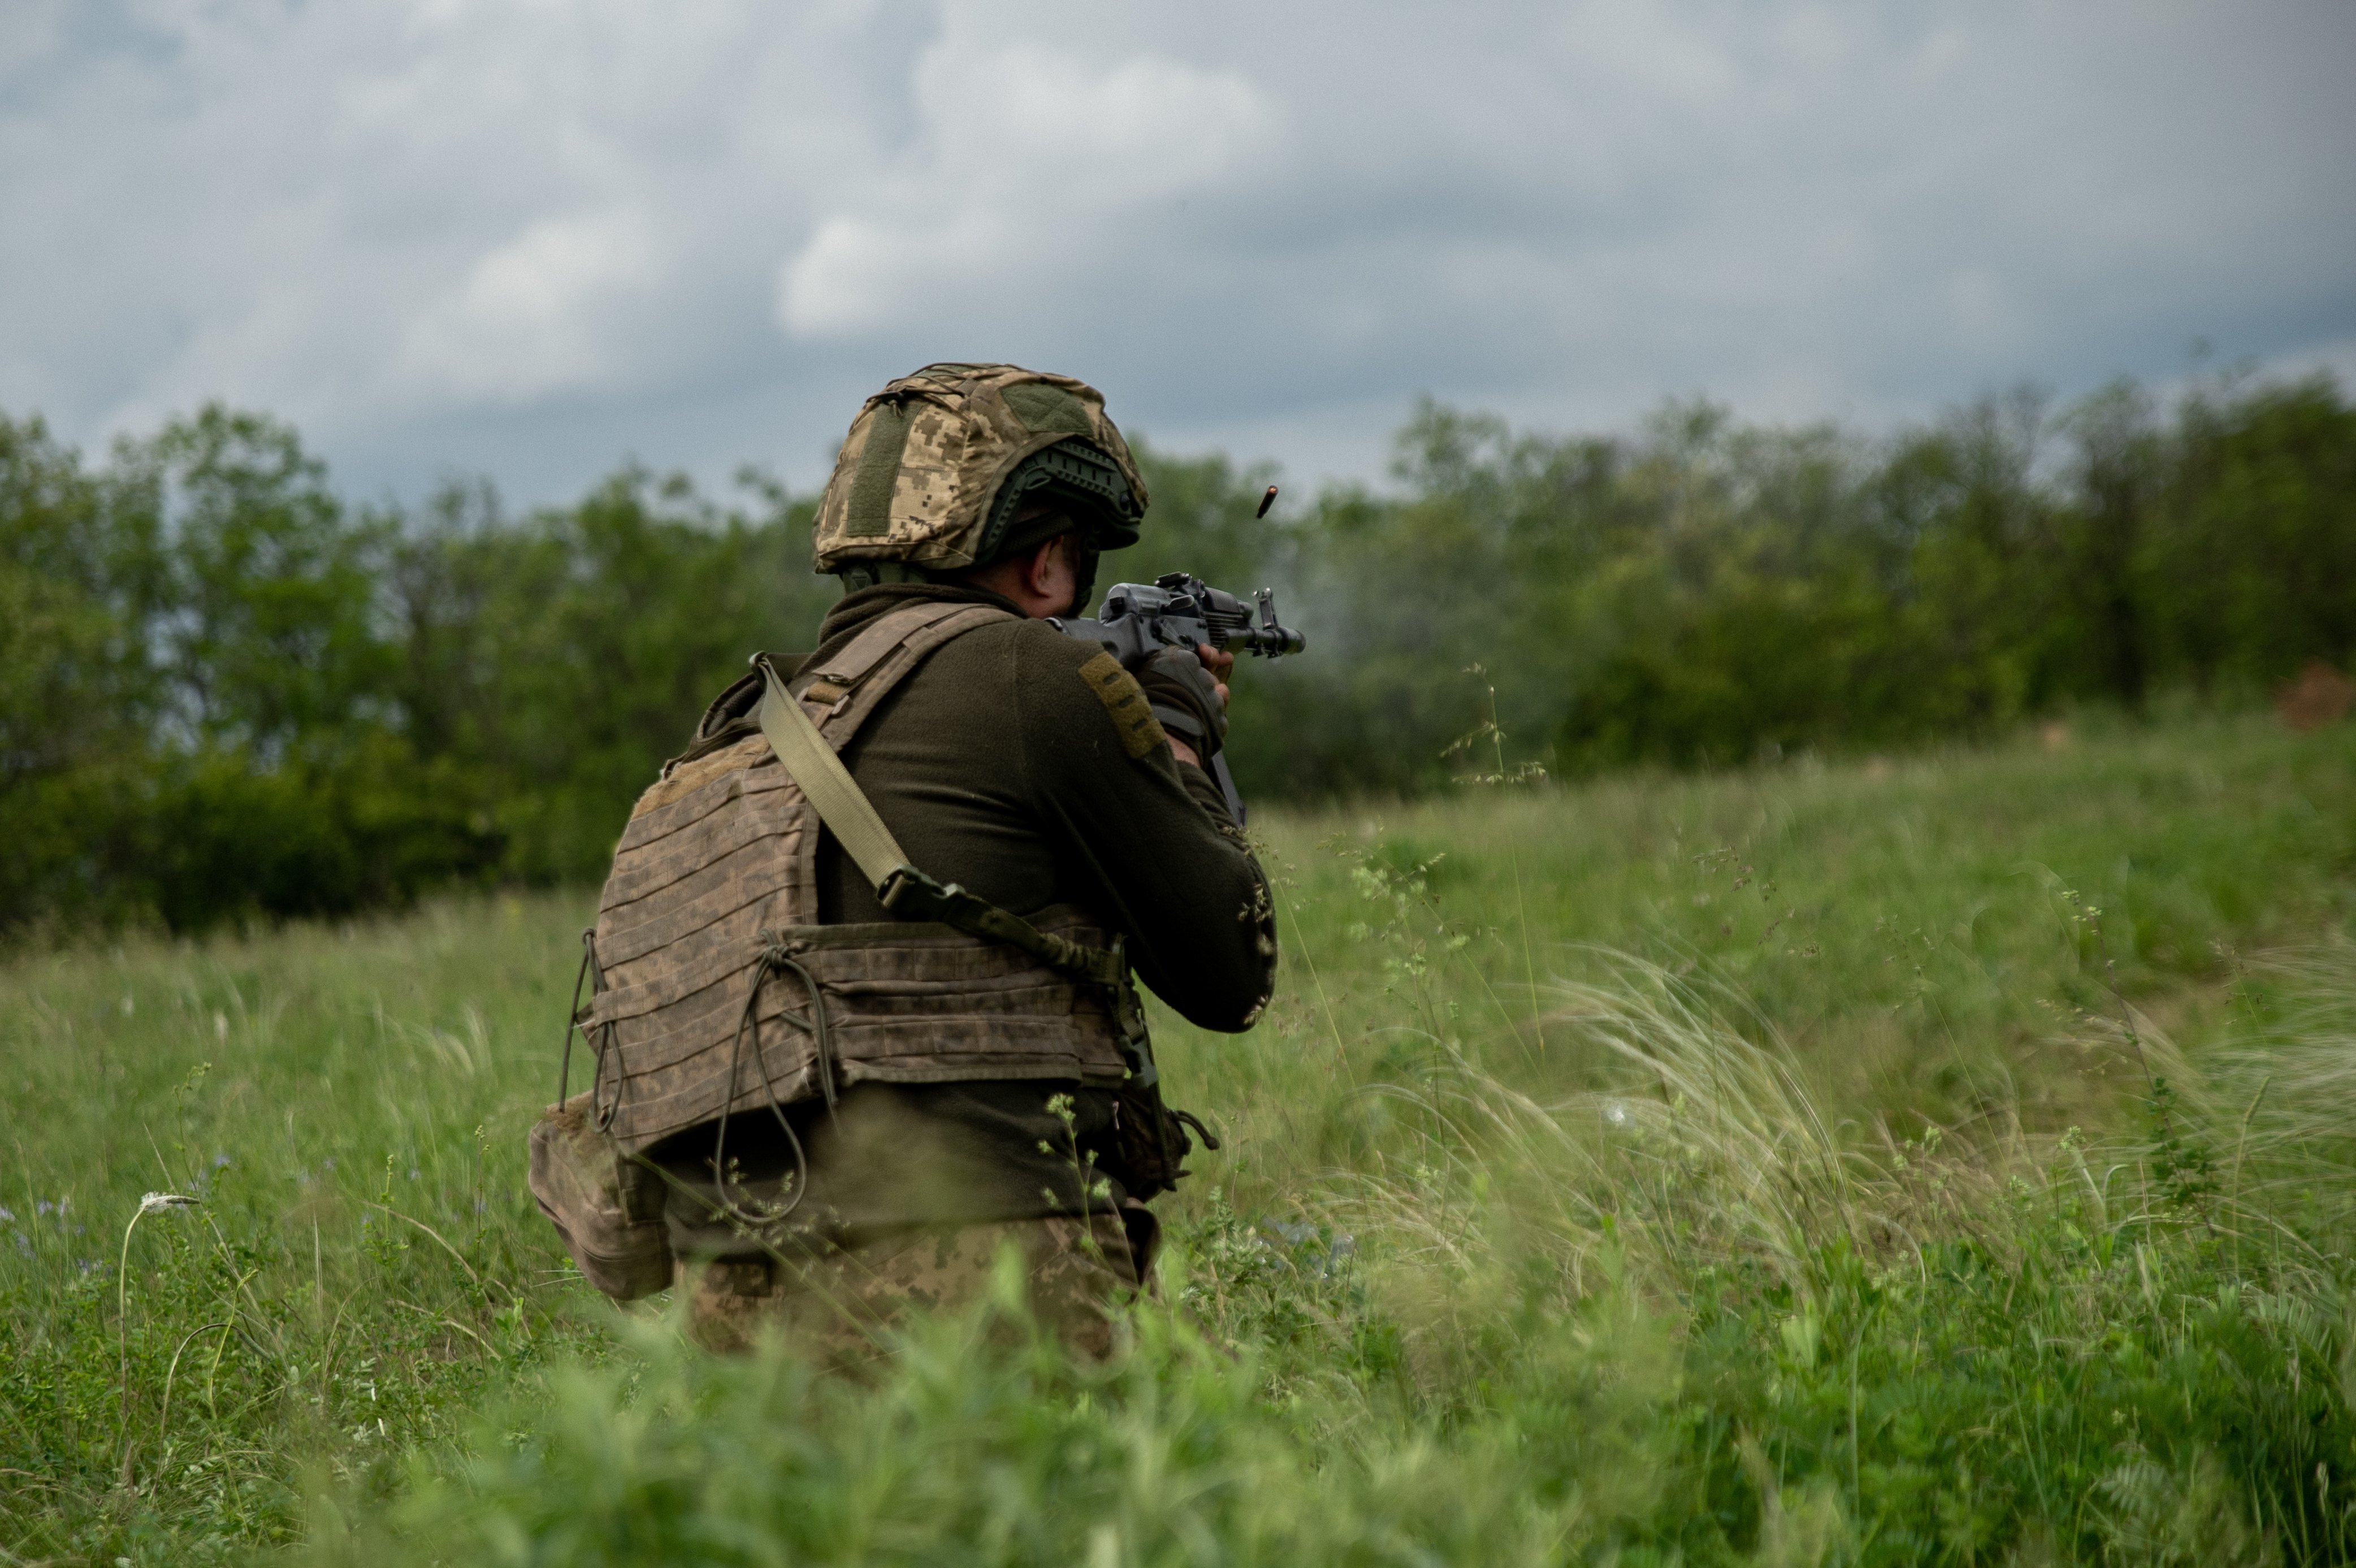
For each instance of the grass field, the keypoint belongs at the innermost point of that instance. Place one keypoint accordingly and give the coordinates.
(1943, 1160)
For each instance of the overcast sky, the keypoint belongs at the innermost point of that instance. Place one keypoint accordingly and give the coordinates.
(530, 239)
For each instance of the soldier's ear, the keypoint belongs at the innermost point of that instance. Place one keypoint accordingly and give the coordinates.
(1039, 571)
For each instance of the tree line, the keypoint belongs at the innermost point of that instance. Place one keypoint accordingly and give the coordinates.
(227, 691)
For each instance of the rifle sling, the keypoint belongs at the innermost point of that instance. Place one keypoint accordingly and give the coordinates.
(907, 892)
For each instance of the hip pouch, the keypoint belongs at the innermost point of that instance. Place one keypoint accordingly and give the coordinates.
(1153, 1144)
(607, 1206)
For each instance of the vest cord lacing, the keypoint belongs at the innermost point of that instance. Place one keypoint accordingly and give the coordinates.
(594, 972)
(774, 959)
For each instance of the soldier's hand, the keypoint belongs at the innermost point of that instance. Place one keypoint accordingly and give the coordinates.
(1221, 664)
(1188, 700)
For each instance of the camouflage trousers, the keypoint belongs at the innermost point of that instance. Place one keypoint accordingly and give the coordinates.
(830, 1301)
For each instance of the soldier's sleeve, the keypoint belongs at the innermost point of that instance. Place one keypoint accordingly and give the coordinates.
(1150, 835)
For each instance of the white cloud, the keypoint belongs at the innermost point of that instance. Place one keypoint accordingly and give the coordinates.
(533, 237)
(536, 313)
(1034, 168)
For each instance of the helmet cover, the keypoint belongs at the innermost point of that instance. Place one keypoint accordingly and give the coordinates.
(923, 477)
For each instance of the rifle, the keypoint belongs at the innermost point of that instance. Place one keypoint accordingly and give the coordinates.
(1179, 610)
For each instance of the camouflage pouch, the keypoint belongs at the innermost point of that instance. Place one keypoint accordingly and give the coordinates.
(1152, 1145)
(608, 1208)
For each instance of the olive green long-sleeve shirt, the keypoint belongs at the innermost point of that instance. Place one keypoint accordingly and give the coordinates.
(998, 767)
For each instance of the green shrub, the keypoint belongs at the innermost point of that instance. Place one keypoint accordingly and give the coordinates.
(198, 638)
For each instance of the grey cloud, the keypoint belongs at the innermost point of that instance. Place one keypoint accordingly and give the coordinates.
(530, 239)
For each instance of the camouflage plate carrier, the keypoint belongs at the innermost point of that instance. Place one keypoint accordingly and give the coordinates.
(715, 991)
(719, 990)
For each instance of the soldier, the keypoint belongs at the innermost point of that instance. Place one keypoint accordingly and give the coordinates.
(904, 1141)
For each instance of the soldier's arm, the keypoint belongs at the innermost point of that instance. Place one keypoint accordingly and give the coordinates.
(1151, 836)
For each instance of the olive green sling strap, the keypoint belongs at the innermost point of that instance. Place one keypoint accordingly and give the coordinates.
(811, 763)
(908, 892)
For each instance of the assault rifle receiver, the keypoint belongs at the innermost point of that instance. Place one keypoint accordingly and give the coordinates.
(1181, 610)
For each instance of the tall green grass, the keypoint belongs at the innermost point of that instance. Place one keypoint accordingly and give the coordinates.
(1945, 1162)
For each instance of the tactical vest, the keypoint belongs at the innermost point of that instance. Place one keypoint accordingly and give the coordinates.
(717, 991)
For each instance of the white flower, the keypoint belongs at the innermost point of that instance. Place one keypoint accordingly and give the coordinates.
(1615, 1112)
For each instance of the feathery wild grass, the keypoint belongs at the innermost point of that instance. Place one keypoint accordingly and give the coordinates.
(1680, 1321)
(2010, 1224)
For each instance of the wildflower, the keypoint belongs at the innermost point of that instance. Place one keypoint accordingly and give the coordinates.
(1615, 1112)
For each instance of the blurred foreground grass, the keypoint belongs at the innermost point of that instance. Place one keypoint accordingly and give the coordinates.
(1937, 1161)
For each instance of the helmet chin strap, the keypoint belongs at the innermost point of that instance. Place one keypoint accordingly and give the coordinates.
(1084, 567)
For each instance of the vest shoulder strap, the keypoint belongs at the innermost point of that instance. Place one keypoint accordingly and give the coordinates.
(841, 692)
(844, 692)
(870, 646)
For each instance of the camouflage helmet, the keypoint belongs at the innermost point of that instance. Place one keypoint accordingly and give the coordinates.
(938, 463)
